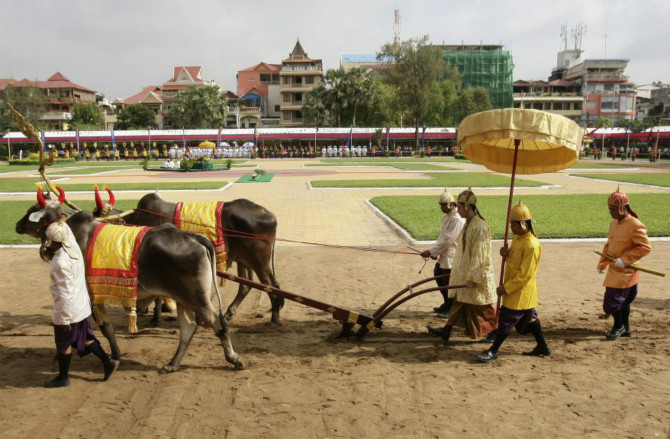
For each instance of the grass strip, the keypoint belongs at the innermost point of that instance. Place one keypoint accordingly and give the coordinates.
(457, 179)
(652, 179)
(596, 165)
(28, 185)
(403, 166)
(556, 216)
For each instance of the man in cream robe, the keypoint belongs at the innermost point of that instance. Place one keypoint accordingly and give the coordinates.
(473, 307)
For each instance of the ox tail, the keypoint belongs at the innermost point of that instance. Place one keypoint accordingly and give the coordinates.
(274, 244)
(212, 259)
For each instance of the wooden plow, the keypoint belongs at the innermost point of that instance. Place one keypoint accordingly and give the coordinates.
(347, 317)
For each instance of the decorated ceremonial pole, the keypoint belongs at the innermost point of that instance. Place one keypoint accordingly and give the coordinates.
(633, 266)
(30, 132)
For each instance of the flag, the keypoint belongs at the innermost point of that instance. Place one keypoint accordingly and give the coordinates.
(388, 129)
(77, 138)
(624, 135)
(113, 141)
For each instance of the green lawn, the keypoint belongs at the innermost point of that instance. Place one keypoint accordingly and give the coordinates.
(456, 179)
(12, 211)
(556, 216)
(28, 185)
(597, 165)
(404, 166)
(388, 159)
(653, 179)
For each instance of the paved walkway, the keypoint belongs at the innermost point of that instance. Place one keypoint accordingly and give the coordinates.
(340, 216)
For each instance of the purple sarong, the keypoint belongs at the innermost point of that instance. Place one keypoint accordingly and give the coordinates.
(515, 319)
(615, 298)
(76, 337)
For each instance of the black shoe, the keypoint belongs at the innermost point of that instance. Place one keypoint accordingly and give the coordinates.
(538, 352)
(440, 332)
(489, 338)
(443, 314)
(57, 382)
(110, 368)
(487, 355)
(437, 309)
(615, 333)
(627, 333)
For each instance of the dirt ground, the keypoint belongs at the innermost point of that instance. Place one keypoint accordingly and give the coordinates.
(397, 382)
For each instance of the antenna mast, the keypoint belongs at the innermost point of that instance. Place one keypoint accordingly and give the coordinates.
(576, 35)
(396, 26)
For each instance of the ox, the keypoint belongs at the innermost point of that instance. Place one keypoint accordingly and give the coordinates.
(171, 263)
(244, 222)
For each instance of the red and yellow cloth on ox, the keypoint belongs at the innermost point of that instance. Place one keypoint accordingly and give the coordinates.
(204, 218)
(111, 264)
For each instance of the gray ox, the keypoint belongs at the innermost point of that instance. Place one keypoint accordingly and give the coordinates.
(171, 263)
(244, 222)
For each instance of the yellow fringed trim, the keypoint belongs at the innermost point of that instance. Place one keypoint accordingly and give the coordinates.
(132, 321)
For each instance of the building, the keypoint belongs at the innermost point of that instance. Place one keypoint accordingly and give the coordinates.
(557, 96)
(606, 89)
(258, 91)
(487, 66)
(151, 96)
(653, 101)
(61, 95)
(160, 98)
(183, 77)
(367, 61)
(298, 75)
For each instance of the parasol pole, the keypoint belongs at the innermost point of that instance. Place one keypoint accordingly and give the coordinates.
(509, 210)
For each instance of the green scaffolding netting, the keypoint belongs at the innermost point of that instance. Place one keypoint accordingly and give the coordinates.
(490, 69)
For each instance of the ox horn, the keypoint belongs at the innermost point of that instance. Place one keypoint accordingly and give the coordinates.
(112, 200)
(98, 201)
(40, 196)
(61, 194)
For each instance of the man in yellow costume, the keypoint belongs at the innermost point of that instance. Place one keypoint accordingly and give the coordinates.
(473, 306)
(519, 289)
(627, 242)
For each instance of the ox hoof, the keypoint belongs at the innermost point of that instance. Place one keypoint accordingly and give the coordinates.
(239, 365)
(168, 369)
(228, 316)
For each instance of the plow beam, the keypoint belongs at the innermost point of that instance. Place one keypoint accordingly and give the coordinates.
(348, 318)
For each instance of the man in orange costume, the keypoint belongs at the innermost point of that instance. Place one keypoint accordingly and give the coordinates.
(627, 242)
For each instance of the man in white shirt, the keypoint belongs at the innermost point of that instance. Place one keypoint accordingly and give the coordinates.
(445, 249)
(72, 307)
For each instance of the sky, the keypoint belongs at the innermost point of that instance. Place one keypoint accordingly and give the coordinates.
(118, 47)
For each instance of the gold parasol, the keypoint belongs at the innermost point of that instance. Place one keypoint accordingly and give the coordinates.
(207, 144)
(548, 142)
(516, 141)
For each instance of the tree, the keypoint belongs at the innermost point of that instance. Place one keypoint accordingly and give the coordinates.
(603, 122)
(443, 110)
(414, 67)
(359, 90)
(86, 117)
(340, 97)
(29, 101)
(315, 110)
(473, 101)
(136, 116)
(200, 107)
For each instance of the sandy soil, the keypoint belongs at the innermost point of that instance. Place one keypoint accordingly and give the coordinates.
(398, 382)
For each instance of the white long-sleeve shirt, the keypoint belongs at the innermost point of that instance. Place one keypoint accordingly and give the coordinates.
(445, 247)
(68, 288)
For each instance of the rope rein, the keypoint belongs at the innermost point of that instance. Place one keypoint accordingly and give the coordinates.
(240, 234)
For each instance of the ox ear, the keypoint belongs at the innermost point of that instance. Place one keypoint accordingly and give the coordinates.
(36, 216)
